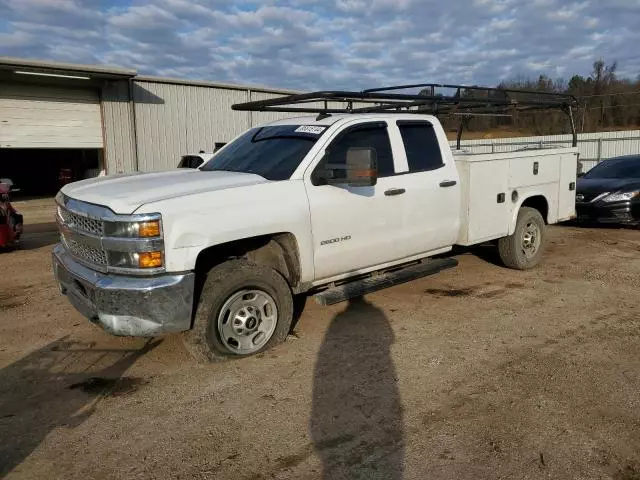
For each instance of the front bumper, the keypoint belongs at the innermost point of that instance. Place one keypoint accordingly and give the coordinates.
(128, 306)
(627, 212)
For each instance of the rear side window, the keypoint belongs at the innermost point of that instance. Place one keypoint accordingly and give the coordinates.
(421, 145)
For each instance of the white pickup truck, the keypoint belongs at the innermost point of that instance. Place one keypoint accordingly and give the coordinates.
(335, 205)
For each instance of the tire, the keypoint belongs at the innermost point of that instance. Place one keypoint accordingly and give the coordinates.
(524, 249)
(230, 321)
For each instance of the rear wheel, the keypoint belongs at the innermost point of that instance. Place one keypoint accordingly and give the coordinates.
(244, 308)
(523, 249)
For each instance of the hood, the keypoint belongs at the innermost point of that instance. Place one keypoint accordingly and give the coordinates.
(126, 193)
(601, 185)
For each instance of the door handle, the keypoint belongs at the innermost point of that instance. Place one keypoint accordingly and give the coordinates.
(448, 183)
(394, 191)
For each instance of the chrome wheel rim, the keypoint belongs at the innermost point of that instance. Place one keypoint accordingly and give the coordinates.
(530, 239)
(247, 321)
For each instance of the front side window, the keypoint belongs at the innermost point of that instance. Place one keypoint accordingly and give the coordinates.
(371, 135)
(271, 152)
(421, 144)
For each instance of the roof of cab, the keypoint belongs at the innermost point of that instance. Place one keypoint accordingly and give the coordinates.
(333, 118)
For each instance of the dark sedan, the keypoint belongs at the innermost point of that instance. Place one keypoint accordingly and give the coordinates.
(610, 192)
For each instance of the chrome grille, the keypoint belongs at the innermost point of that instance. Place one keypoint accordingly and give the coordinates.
(80, 223)
(82, 228)
(86, 253)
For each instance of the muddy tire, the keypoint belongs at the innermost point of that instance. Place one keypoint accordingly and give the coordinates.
(244, 308)
(524, 249)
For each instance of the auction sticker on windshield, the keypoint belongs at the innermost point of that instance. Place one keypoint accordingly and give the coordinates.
(310, 129)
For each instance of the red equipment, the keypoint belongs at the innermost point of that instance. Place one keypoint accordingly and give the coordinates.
(10, 220)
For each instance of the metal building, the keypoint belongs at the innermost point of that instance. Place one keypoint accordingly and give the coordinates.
(64, 121)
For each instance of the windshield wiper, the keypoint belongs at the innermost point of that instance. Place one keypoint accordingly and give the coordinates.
(220, 170)
(273, 137)
(233, 171)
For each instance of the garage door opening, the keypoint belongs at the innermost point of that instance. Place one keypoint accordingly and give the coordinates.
(50, 135)
(42, 171)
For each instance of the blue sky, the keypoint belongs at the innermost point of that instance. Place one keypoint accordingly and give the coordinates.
(309, 44)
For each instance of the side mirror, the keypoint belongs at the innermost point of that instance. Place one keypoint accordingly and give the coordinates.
(581, 174)
(360, 169)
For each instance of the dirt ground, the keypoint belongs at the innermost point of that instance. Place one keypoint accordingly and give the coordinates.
(478, 372)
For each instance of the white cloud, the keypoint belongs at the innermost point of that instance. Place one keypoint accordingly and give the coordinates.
(502, 24)
(20, 39)
(591, 22)
(328, 43)
(569, 12)
(143, 17)
(494, 6)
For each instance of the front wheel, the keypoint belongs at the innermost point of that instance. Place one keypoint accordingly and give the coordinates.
(523, 249)
(244, 308)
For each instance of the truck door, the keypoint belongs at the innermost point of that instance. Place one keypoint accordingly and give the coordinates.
(354, 227)
(430, 208)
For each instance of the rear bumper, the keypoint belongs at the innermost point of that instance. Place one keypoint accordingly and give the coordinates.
(127, 306)
(618, 212)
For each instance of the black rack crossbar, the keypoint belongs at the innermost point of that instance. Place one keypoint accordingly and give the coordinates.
(433, 86)
(467, 101)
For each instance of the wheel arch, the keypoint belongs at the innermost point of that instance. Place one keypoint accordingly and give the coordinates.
(537, 201)
(279, 250)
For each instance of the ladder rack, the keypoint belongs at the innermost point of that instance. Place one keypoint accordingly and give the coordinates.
(466, 102)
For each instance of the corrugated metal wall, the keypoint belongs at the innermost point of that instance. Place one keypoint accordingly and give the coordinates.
(117, 118)
(172, 119)
(593, 147)
(260, 118)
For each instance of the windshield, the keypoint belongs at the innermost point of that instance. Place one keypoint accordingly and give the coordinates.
(271, 152)
(616, 168)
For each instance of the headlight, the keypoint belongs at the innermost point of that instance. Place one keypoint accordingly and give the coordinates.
(620, 196)
(136, 259)
(146, 229)
(134, 244)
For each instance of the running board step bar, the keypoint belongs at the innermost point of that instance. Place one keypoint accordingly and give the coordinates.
(357, 288)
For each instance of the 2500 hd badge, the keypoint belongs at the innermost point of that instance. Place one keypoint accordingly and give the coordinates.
(335, 240)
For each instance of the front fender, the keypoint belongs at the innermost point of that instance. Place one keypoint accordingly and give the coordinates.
(196, 222)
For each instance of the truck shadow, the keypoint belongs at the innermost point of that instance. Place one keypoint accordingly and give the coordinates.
(39, 235)
(603, 226)
(357, 418)
(34, 241)
(59, 385)
(487, 252)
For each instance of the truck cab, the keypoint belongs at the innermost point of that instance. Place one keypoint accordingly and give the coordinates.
(412, 209)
